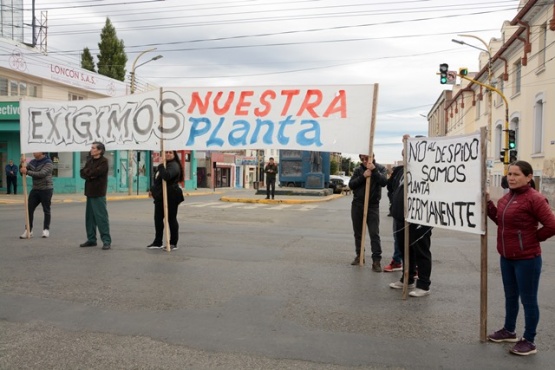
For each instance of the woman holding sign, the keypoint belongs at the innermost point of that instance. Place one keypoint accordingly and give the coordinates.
(172, 173)
(517, 215)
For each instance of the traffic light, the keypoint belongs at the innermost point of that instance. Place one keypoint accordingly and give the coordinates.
(443, 69)
(463, 71)
(512, 156)
(502, 156)
(512, 139)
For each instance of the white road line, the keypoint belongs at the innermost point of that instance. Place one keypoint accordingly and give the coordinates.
(254, 206)
(308, 207)
(280, 207)
(228, 205)
(201, 204)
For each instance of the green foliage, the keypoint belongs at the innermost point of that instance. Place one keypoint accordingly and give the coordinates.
(87, 61)
(334, 167)
(112, 57)
(347, 166)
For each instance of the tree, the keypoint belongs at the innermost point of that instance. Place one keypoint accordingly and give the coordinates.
(334, 167)
(112, 57)
(87, 61)
(347, 166)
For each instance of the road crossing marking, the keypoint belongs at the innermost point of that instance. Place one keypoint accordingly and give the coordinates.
(280, 207)
(277, 207)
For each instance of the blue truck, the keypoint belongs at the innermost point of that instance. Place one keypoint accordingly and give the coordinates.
(304, 169)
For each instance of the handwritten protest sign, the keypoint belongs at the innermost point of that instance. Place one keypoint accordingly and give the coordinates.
(444, 182)
(320, 118)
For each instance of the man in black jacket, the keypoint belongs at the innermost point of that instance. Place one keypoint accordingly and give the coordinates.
(419, 246)
(378, 179)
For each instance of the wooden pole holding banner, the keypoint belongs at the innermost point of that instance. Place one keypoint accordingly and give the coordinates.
(370, 155)
(23, 162)
(406, 257)
(164, 184)
(484, 243)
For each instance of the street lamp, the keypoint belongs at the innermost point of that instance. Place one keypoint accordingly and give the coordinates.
(132, 89)
(490, 99)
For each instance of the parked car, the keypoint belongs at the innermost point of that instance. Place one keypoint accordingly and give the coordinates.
(337, 184)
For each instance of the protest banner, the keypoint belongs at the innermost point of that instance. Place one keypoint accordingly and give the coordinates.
(316, 118)
(444, 182)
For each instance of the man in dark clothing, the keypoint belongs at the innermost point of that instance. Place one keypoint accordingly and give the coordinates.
(95, 173)
(393, 182)
(11, 176)
(40, 169)
(419, 247)
(271, 171)
(378, 179)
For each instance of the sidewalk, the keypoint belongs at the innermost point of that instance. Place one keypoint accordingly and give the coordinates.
(228, 195)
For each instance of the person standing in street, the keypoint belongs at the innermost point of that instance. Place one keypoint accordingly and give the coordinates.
(393, 183)
(95, 173)
(271, 171)
(357, 184)
(173, 174)
(11, 177)
(40, 169)
(518, 215)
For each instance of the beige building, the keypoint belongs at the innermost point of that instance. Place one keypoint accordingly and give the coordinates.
(523, 71)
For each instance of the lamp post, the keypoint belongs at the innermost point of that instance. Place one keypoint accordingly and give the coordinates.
(490, 99)
(132, 90)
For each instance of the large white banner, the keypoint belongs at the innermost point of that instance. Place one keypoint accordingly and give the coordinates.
(319, 118)
(444, 182)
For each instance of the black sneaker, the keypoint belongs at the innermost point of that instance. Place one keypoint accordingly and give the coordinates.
(356, 261)
(106, 246)
(87, 244)
(174, 247)
(154, 246)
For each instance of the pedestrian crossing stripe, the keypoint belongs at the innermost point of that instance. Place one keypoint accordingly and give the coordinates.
(277, 207)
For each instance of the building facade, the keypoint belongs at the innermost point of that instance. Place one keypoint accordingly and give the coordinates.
(520, 66)
(25, 73)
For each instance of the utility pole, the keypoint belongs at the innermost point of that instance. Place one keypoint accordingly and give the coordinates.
(130, 152)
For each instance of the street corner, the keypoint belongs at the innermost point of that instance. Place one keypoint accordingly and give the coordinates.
(200, 192)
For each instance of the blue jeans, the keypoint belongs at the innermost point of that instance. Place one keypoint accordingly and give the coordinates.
(521, 278)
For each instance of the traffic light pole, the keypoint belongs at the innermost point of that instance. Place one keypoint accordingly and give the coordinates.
(506, 129)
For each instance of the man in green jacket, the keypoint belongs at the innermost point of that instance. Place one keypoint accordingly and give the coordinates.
(95, 173)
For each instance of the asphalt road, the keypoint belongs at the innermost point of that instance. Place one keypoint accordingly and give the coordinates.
(253, 286)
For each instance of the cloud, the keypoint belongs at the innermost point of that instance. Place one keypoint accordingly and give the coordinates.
(398, 44)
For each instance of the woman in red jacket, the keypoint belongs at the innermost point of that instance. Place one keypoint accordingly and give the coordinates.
(517, 216)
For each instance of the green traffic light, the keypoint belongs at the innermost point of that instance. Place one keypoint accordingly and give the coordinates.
(512, 139)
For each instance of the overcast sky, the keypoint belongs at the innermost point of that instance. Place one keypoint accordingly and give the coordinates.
(397, 44)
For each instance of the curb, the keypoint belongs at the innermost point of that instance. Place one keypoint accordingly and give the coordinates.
(280, 201)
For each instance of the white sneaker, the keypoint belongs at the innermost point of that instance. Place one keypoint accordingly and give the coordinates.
(419, 292)
(45, 233)
(399, 285)
(24, 235)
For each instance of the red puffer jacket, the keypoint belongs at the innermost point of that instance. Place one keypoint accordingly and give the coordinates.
(517, 216)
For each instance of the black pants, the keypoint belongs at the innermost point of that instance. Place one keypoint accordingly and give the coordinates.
(12, 182)
(43, 197)
(172, 222)
(270, 184)
(373, 225)
(420, 240)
